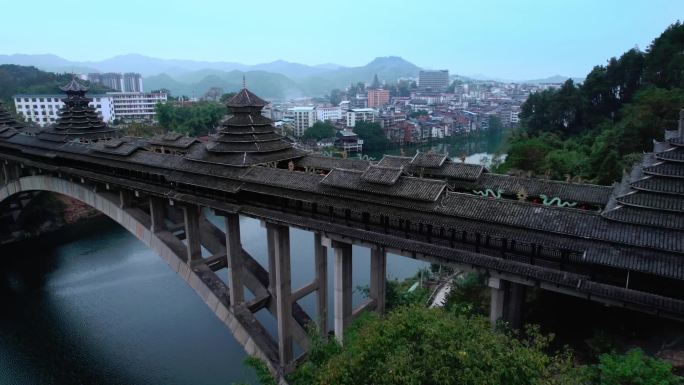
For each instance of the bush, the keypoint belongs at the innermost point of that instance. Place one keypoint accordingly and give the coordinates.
(415, 345)
(633, 368)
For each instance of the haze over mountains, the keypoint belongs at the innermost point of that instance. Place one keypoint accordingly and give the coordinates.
(275, 80)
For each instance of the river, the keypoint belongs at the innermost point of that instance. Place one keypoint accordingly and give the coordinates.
(91, 304)
(478, 149)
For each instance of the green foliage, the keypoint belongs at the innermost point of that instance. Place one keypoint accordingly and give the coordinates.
(495, 124)
(665, 61)
(634, 368)
(194, 120)
(318, 131)
(336, 97)
(528, 154)
(227, 96)
(262, 372)
(417, 113)
(594, 130)
(415, 345)
(468, 295)
(372, 134)
(142, 130)
(16, 79)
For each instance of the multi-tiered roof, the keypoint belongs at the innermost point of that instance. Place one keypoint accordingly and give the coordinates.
(8, 126)
(78, 121)
(653, 193)
(247, 138)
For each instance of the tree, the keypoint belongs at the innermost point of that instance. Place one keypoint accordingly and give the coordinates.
(415, 345)
(194, 120)
(495, 124)
(615, 114)
(318, 131)
(226, 97)
(372, 134)
(213, 94)
(376, 82)
(417, 113)
(664, 66)
(528, 154)
(336, 97)
(633, 368)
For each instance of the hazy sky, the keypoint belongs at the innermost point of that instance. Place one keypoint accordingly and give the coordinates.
(513, 39)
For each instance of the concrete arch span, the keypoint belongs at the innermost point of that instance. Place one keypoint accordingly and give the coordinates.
(199, 276)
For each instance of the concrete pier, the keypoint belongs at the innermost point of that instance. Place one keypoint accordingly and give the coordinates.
(321, 262)
(283, 287)
(193, 241)
(234, 256)
(378, 278)
(343, 287)
(157, 214)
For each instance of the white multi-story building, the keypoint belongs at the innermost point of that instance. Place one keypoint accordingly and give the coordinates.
(43, 110)
(304, 117)
(360, 114)
(128, 82)
(329, 113)
(515, 119)
(136, 106)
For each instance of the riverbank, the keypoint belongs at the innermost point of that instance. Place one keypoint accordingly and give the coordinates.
(43, 214)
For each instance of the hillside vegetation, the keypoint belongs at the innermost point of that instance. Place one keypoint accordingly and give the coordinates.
(16, 79)
(599, 128)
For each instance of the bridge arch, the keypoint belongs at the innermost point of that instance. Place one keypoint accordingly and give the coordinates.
(169, 248)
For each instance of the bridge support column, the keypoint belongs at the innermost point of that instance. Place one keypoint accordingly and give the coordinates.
(343, 287)
(507, 301)
(321, 262)
(378, 278)
(271, 248)
(497, 298)
(5, 174)
(157, 214)
(234, 256)
(125, 198)
(191, 216)
(515, 305)
(283, 287)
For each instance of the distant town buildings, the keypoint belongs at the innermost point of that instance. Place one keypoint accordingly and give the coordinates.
(43, 110)
(378, 98)
(332, 114)
(435, 81)
(360, 115)
(304, 117)
(128, 82)
(136, 106)
(420, 115)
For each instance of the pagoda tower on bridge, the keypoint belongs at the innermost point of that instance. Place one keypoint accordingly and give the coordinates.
(78, 121)
(247, 138)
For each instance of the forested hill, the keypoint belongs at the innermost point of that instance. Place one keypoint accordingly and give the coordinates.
(595, 130)
(15, 79)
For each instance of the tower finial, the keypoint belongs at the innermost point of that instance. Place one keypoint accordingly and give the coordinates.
(244, 83)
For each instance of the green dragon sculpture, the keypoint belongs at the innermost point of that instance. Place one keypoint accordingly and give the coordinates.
(365, 157)
(490, 192)
(556, 201)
